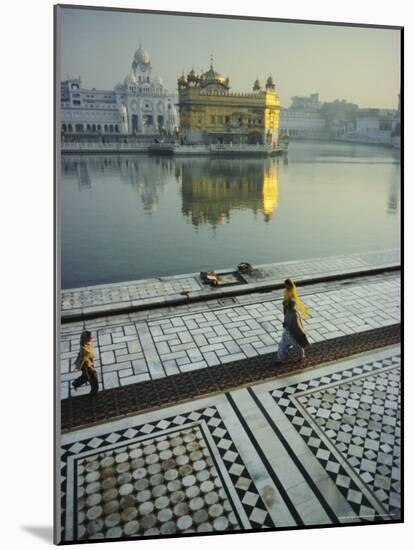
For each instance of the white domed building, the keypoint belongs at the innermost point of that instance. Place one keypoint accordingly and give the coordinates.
(139, 105)
(149, 104)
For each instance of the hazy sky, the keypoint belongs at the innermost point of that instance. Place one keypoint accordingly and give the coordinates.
(361, 65)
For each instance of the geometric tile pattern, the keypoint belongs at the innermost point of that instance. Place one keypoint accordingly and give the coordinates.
(351, 422)
(159, 478)
(130, 349)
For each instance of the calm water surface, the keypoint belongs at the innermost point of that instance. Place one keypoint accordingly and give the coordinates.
(132, 216)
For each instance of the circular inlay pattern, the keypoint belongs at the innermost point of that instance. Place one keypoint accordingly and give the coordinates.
(129, 514)
(161, 502)
(92, 488)
(124, 478)
(94, 499)
(135, 453)
(92, 476)
(148, 521)
(141, 484)
(189, 480)
(196, 504)
(168, 528)
(94, 513)
(215, 510)
(162, 485)
(149, 450)
(137, 463)
(114, 533)
(192, 492)
(164, 515)
(131, 527)
(111, 507)
(182, 460)
(170, 475)
(108, 483)
(221, 523)
(146, 508)
(181, 509)
(111, 494)
(92, 466)
(184, 522)
(123, 467)
(166, 455)
(112, 519)
(211, 498)
(201, 516)
(203, 476)
(126, 489)
(144, 495)
(107, 461)
(151, 459)
(154, 469)
(159, 491)
(139, 473)
(121, 457)
(163, 445)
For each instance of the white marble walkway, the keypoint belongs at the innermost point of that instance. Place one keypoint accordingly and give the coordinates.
(160, 291)
(132, 348)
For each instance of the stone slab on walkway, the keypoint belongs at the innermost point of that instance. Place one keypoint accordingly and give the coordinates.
(158, 292)
(130, 348)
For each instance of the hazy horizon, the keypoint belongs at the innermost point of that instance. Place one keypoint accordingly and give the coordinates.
(361, 65)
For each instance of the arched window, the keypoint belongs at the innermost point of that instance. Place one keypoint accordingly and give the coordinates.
(88, 127)
(70, 128)
(79, 128)
(93, 128)
(106, 127)
(111, 128)
(116, 128)
(99, 127)
(64, 127)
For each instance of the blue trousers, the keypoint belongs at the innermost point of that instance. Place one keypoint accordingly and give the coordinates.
(286, 341)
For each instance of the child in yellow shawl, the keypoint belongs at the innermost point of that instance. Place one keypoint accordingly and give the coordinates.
(291, 293)
(84, 362)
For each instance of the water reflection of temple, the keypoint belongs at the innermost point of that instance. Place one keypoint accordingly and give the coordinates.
(212, 188)
(146, 176)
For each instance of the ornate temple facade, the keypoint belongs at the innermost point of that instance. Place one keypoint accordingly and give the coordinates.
(139, 105)
(211, 113)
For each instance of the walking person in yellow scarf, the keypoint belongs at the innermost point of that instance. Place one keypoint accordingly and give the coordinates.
(84, 362)
(291, 293)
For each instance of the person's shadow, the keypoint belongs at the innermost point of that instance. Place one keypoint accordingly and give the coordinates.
(43, 532)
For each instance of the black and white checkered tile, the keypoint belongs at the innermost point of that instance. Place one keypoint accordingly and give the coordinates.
(351, 422)
(249, 498)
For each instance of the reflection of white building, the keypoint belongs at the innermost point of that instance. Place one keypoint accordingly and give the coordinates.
(140, 104)
(302, 118)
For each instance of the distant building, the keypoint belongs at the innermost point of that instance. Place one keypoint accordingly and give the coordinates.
(303, 118)
(211, 113)
(139, 105)
(373, 126)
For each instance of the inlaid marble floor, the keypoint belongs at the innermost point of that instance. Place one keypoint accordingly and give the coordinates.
(316, 448)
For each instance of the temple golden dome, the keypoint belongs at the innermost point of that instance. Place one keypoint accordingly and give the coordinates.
(192, 76)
